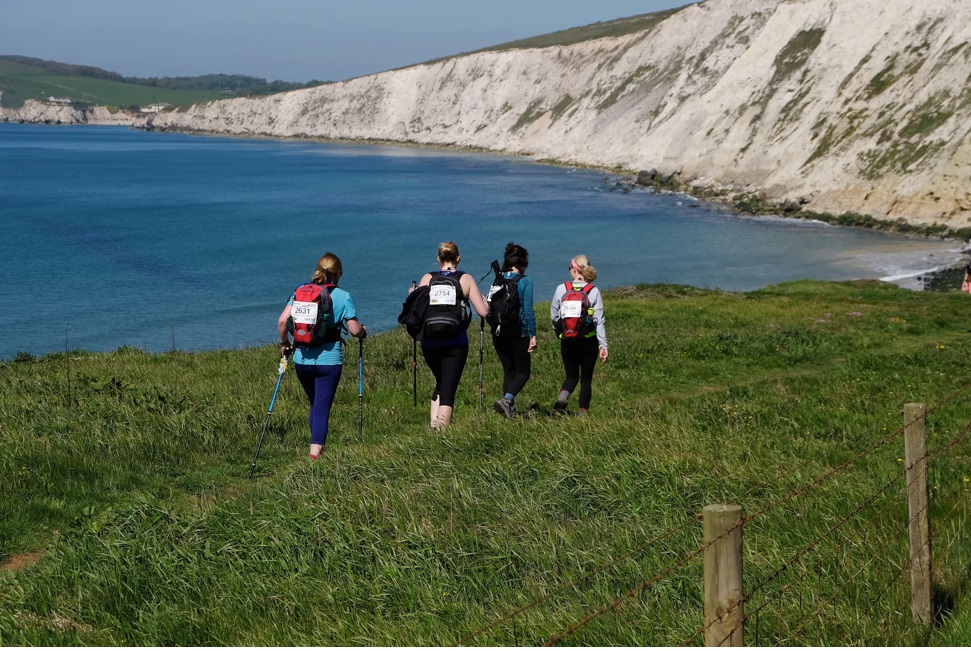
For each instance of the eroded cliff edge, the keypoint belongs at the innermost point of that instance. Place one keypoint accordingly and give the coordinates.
(839, 106)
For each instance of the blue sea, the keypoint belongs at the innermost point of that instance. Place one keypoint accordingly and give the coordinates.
(114, 237)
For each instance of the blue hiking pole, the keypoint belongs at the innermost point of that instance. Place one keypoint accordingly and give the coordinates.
(360, 392)
(279, 378)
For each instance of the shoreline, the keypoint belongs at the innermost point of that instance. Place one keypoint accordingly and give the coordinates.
(944, 280)
(739, 202)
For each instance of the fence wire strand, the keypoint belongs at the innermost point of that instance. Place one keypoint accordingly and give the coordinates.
(895, 434)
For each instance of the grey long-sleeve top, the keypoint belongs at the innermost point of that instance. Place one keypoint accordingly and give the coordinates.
(596, 300)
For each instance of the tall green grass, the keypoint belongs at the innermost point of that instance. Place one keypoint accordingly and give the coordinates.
(128, 471)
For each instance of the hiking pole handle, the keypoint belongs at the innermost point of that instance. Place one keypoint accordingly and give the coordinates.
(493, 269)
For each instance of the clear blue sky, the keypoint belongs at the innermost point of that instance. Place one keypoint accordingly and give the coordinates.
(291, 40)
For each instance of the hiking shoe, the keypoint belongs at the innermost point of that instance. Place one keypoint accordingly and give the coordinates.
(559, 406)
(505, 407)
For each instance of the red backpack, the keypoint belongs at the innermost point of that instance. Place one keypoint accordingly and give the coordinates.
(576, 312)
(308, 316)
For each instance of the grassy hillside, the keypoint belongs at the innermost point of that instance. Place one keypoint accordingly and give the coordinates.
(605, 29)
(128, 518)
(573, 35)
(19, 82)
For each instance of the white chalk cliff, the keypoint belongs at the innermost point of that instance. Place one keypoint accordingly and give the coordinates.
(840, 105)
(37, 112)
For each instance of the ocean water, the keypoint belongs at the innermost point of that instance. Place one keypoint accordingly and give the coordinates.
(113, 237)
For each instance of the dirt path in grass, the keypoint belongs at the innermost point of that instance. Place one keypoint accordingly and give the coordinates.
(18, 562)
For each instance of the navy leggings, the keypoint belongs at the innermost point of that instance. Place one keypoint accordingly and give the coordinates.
(579, 361)
(319, 382)
(446, 364)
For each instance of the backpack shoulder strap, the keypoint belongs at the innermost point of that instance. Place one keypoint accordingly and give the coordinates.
(586, 289)
(569, 285)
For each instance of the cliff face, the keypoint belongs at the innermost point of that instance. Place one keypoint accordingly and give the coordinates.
(841, 105)
(36, 112)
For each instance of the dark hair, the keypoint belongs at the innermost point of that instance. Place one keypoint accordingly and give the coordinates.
(515, 256)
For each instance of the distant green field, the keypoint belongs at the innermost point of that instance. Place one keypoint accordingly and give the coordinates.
(19, 82)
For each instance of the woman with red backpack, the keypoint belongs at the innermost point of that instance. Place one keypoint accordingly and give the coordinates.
(577, 312)
(316, 314)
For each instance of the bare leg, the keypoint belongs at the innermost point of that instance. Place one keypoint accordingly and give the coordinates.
(444, 416)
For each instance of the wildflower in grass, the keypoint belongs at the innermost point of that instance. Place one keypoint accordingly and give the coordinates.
(941, 347)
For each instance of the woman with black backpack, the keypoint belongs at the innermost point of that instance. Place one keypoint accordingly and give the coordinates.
(513, 325)
(444, 339)
(577, 312)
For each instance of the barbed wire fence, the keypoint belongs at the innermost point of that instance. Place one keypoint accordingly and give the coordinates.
(852, 581)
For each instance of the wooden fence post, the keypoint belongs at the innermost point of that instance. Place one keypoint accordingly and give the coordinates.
(915, 457)
(723, 575)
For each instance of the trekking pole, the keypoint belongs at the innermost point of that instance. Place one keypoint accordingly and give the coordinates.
(494, 269)
(481, 349)
(414, 361)
(279, 378)
(360, 391)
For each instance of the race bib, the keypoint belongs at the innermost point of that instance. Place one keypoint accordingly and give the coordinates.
(442, 295)
(571, 309)
(303, 312)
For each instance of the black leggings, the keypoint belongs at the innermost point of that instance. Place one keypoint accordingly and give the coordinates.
(579, 360)
(447, 364)
(515, 359)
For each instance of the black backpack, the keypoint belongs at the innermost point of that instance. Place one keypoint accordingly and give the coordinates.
(448, 310)
(504, 306)
(413, 311)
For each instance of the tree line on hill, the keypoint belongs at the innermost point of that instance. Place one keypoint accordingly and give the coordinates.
(236, 84)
